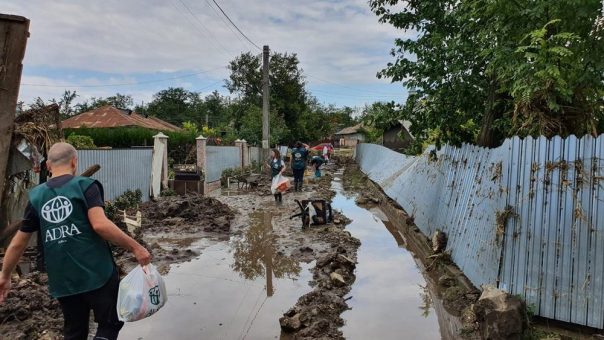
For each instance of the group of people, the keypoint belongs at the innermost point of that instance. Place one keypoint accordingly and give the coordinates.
(299, 160)
(68, 212)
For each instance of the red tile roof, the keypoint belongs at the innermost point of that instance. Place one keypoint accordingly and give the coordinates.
(110, 116)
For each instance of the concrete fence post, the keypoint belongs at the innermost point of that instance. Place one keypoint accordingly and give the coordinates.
(201, 144)
(239, 144)
(159, 168)
(246, 153)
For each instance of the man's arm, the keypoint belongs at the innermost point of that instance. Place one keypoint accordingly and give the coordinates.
(110, 232)
(11, 259)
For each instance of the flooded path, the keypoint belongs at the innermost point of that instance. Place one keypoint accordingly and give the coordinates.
(389, 298)
(234, 290)
(238, 288)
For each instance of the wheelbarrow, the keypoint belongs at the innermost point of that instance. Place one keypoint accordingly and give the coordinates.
(313, 212)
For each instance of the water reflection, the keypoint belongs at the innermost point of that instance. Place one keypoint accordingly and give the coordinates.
(255, 254)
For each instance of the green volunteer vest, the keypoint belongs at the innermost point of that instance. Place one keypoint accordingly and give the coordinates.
(276, 167)
(77, 259)
(299, 158)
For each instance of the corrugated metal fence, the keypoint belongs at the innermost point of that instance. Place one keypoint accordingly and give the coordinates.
(121, 169)
(527, 216)
(220, 158)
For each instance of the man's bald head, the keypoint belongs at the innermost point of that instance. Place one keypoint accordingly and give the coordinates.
(61, 154)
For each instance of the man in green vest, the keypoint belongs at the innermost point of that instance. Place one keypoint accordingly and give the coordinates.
(298, 164)
(68, 212)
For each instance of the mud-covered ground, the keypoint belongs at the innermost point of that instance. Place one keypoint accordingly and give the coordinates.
(169, 227)
(316, 314)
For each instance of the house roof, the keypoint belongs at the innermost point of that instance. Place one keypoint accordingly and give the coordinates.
(350, 130)
(109, 116)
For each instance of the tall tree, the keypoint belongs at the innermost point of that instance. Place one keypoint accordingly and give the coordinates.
(488, 69)
(287, 85)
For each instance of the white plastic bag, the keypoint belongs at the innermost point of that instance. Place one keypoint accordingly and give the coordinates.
(141, 294)
(280, 184)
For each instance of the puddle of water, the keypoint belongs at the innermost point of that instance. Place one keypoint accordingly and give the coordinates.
(389, 298)
(234, 290)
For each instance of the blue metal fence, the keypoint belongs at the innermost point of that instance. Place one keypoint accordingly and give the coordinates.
(527, 216)
(121, 169)
(220, 158)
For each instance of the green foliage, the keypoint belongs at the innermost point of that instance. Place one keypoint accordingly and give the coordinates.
(126, 201)
(180, 144)
(486, 70)
(81, 142)
(251, 127)
(167, 193)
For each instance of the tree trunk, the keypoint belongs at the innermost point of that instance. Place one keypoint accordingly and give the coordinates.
(486, 137)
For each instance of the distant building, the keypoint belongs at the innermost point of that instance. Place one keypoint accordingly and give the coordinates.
(397, 137)
(110, 117)
(350, 136)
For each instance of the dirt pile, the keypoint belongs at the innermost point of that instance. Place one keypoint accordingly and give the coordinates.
(188, 214)
(317, 314)
(29, 312)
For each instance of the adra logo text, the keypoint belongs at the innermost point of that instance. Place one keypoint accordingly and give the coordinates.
(61, 232)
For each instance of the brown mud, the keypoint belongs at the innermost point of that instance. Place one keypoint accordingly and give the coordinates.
(316, 314)
(170, 226)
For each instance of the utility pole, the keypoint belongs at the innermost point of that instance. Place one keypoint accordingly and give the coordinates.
(14, 31)
(266, 134)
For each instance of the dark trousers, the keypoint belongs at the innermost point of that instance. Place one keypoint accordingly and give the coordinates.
(298, 178)
(102, 301)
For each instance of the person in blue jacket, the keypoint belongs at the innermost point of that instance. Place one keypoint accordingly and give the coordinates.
(298, 164)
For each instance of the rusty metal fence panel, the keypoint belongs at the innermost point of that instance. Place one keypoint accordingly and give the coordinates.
(527, 216)
(220, 158)
(121, 169)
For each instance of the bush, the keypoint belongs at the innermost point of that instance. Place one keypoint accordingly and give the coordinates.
(126, 201)
(181, 144)
(81, 142)
(167, 193)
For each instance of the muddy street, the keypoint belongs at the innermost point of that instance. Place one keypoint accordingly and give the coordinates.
(237, 266)
(238, 288)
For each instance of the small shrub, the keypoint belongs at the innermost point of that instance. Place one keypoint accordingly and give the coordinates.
(81, 142)
(128, 200)
(167, 192)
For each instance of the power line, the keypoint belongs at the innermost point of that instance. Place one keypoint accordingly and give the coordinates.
(226, 23)
(232, 23)
(209, 33)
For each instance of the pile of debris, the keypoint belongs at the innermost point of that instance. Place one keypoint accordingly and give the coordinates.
(189, 213)
(29, 312)
(317, 314)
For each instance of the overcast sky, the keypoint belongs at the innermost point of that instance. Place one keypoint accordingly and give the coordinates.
(81, 44)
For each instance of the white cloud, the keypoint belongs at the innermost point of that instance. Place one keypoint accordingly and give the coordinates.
(341, 40)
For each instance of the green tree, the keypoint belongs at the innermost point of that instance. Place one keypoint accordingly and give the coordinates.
(287, 86)
(484, 70)
(174, 106)
(121, 101)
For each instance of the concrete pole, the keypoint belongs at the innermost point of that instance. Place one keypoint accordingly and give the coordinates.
(239, 144)
(265, 101)
(159, 172)
(201, 143)
(14, 31)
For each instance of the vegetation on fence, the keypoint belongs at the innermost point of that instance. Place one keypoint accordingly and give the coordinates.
(180, 144)
(81, 142)
(126, 201)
